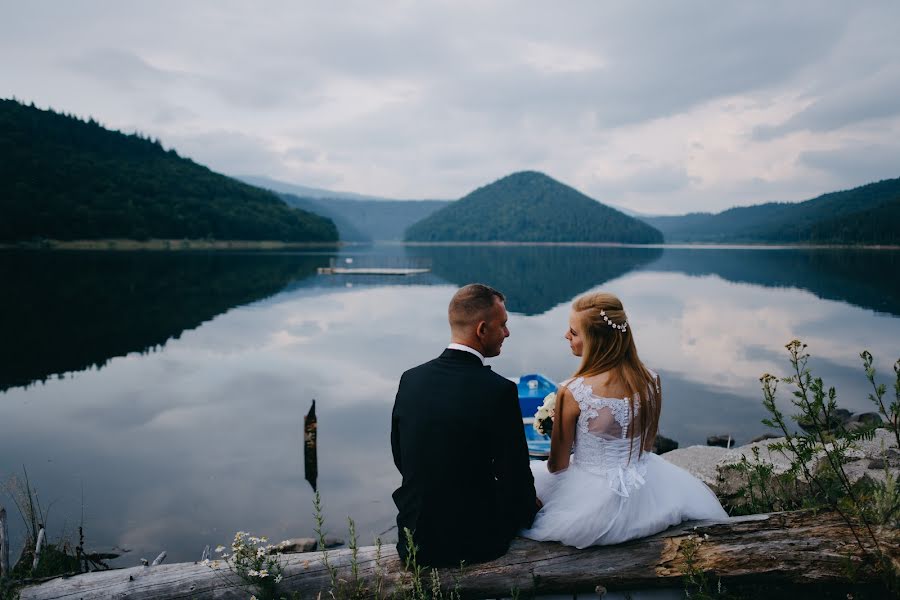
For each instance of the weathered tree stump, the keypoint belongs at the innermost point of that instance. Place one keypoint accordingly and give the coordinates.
(778, 548)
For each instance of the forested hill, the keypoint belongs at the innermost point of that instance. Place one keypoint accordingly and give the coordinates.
(869, 214)
(530, 207)
(64, 178)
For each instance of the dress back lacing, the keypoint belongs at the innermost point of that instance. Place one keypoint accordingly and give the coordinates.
(602, 442)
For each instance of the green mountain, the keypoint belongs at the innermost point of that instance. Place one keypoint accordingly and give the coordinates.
(358, 218)
(65, 178)
(530, 207)
(869, 214)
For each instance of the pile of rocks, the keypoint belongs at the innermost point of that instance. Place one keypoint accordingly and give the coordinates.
(711, 464)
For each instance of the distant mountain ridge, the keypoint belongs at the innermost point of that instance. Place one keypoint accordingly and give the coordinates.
(65, 178)
(868, 214)
(358, 218)
(530, 207)
(301, 191)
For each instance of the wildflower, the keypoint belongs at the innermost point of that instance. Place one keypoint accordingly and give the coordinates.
(253, 573)
(220, 549)
(260, 552)
(205, 561)
(278, 578)
(263, 573)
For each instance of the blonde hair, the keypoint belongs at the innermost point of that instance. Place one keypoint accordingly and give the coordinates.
(611, 348)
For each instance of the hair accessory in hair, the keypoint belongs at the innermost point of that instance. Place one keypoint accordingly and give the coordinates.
(623, 327)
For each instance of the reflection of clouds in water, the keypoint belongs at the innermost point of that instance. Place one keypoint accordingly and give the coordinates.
(726, 335)
(180, 447)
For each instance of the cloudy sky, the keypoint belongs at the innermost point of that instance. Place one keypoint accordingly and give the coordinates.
(660, 107)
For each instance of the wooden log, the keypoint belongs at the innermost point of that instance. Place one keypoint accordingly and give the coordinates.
(777, 549)
(4, 544)
(38, 546)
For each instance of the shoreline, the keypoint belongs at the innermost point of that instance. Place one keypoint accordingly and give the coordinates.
(121, 244)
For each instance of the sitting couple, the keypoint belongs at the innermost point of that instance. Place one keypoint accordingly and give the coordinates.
(458, 441)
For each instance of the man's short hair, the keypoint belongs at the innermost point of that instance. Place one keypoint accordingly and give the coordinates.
(472, 303)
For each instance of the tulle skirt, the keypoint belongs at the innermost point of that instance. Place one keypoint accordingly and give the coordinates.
(585, 508)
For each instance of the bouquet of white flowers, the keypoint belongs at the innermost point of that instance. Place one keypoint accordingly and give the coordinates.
(543, 418)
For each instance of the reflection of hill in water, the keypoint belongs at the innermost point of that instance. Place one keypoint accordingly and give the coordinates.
(864, 278)
(65, 311)
(534, 278)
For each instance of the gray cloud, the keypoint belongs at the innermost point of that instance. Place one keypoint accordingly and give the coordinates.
(433, 100)
(856, 101)
(856, 164)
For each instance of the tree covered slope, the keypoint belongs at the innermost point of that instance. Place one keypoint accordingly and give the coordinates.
(65, 178)
(530, 207)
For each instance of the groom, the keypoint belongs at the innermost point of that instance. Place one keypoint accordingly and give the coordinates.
(459, 443)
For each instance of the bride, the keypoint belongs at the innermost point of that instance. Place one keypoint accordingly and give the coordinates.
(612, 488)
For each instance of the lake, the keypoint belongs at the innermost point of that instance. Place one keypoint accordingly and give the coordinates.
(163, 394)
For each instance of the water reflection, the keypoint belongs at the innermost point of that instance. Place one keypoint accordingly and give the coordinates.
(534, 278)
(862, 277)
(180, 447)
(66, 311)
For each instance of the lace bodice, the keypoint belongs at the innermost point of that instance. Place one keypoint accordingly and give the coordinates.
(602, 443)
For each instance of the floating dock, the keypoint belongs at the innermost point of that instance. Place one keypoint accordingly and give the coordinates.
(371, 271)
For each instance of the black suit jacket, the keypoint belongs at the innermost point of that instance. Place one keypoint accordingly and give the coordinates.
(458, 440)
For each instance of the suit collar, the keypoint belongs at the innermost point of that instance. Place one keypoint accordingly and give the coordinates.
(469, 349)
(462, 356)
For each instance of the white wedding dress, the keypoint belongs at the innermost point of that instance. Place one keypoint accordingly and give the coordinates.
(605, 496)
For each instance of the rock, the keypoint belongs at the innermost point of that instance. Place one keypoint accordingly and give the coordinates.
(877, 463)
(853, 426)
(725, 441)
(883, 441)
(839, 416)
(332, 541)
(765, 436)
(664, 444)
(699, 461)
(295, 545)
(868, 419)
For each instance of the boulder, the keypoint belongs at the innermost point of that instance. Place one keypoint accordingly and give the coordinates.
(871, 419)
(699, 461)
(664, 444)
(724, 441)
(839, 416)
(765, 436)
(295, 545)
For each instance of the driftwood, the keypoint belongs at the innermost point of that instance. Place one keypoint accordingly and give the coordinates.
(774, 549)
(38, 547)
(4, 544)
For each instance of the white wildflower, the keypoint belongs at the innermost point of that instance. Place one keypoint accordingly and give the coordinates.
(205, 561)
(252, 572)
(263, 573)
(278, 578)
(220, 549)
(260, 552)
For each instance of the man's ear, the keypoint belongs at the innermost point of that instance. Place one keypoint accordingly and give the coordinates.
(481, 329)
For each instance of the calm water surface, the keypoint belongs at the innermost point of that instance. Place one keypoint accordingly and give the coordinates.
(171, 388)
